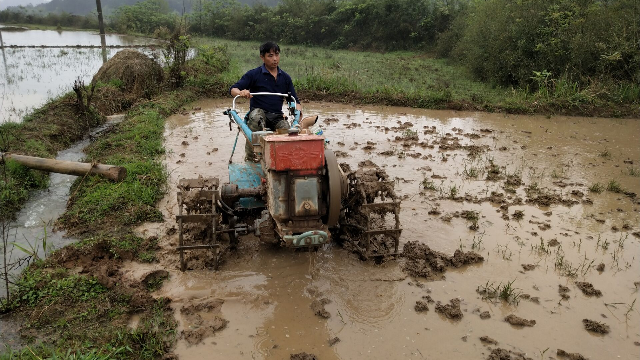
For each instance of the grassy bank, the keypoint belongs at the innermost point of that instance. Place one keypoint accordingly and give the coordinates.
(49, 129)
(416, 80)
(83, 303)
(89, 312)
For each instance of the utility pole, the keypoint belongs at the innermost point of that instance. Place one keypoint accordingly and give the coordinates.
(100, 20)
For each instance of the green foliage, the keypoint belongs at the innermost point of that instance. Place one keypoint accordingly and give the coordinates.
(53, 19)
(175, 56)
(368, 24)
(144, 17)
(539, 43)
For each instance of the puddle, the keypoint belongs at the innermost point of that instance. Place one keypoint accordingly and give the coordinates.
(268, 292)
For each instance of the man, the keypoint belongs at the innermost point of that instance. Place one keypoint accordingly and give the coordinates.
(265, 110)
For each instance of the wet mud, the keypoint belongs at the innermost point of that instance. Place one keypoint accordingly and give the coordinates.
(484, 196)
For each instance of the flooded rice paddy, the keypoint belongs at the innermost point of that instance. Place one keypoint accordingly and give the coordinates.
(549, 203)
(29, 76)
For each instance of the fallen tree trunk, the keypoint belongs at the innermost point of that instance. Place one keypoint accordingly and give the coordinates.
(111, 172)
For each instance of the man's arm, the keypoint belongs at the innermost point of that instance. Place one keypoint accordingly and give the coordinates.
(242, 86)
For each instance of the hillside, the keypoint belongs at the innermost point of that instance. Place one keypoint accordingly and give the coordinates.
(7, 3)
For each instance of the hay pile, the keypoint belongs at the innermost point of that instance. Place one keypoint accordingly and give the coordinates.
(136, 74)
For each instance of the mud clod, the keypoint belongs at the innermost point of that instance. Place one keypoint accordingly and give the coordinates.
(503, 354)
(570, 356)
(451, 311)
(588, 289)
(595, 326)
(421, 306)
(423, 262)
(318, 308)
(203, 329)
(428, 299)
(518, 321)
(196, 327)
(303, 356)
(553, 242)
(334, 341)
(528, 267)
(488, 340)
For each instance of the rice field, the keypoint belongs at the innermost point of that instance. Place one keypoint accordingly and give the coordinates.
(31, 75)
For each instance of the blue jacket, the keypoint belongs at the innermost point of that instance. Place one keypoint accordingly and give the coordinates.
(261, 80)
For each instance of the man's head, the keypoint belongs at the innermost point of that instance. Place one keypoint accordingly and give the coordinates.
(270, 54)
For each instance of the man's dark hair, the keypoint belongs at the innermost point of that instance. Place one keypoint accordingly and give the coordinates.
(268, 46)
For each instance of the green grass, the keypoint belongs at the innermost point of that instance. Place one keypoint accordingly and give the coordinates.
(504, 292)
(44, 132)
(596, 188)
(614, 186)
(428, 184)
(136, 144)
(405, 78)
(633, 171)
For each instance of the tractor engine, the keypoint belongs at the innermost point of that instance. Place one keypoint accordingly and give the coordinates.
(296, 183)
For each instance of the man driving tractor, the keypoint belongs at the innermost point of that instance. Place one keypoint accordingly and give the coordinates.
(265, 111)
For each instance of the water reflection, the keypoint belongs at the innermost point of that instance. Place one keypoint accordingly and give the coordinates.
(69, 38)
(103, 42)
(32, 76)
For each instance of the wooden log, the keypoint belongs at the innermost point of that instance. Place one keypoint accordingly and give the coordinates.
(111, 172)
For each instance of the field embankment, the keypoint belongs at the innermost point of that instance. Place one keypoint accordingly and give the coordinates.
(82, 302)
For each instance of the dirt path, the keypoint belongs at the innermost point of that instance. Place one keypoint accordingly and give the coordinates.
(535, 222)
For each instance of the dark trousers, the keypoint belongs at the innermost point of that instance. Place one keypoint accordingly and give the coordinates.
(258, 120)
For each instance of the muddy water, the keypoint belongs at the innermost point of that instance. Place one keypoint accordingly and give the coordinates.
(268, 292)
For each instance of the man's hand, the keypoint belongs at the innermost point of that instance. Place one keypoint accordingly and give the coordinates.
(243, 93)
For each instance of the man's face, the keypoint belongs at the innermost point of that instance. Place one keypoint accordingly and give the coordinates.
(271, 59)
